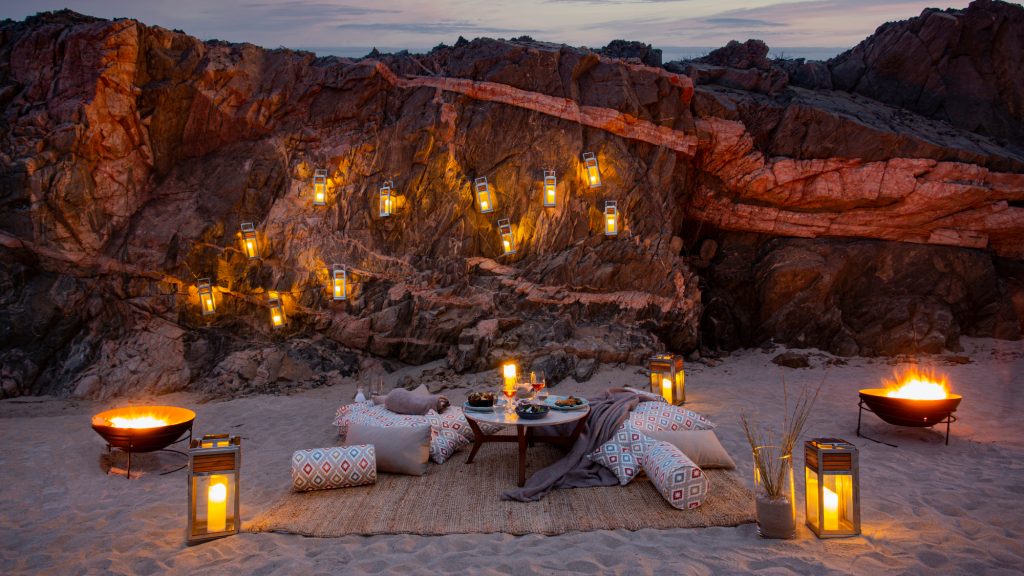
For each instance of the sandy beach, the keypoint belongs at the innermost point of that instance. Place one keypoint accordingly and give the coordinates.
(927, 508)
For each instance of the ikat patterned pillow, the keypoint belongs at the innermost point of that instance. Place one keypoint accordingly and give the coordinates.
(681, 482)
(446, 436)
(622, 453)
(658, 416)
(336, 467)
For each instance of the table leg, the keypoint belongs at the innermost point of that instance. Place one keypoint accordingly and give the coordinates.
(577, 431)
(521, 431)
(478, 440)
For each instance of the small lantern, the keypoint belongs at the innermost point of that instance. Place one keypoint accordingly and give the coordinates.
(249, 243)
(508, 241)
(206, 301)
(386, 204)
(611, 218)
(509, 375)
(593, 171)
(667, 377)
(832, 487)
(483, 195)
(319, 187)
(214, 463)
(277, 317)
(339, 283)
(550, 184)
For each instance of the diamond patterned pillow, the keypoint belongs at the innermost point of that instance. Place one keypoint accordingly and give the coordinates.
(681, 482)
(658, 416)
(622, 453)
(446, 436)
(337, 467)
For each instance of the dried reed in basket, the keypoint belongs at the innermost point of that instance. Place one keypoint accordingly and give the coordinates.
(771, 466)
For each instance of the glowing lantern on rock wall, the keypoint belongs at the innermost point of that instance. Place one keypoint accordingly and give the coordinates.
(667, 377)
(832, 487)
(319, 187)
(249, 243)
(213, 512)
(206, 301)
(277, 317)
(508, 241)
(549, 192)
(339, 283)
(386, 204)
(611, 218)
(593, 171)
(484, 199)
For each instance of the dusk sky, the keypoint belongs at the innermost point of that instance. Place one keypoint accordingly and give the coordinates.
(350, 26)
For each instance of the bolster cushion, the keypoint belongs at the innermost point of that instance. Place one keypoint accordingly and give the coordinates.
(335, 467)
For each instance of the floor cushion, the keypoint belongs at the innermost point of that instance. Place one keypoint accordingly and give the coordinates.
(654, 416)
(621, 454)
(400, 449)
(681, 482)
(701, 446)
(335, 467)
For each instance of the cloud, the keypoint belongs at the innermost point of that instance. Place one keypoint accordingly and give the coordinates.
(740, 22)
(427, 28)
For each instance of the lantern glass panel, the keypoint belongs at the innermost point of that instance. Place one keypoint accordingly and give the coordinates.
(593, 170)
(483, 195)
(320, 187)
(277, 316)
(213, 509)
(550, 185)
(668, 379)
(339, 284)
(611, 218)
(249, 243)
(206, 301)
(385, 202)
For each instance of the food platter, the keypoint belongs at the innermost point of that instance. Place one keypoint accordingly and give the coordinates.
(553, 401)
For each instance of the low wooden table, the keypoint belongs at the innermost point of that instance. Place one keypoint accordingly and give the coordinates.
(524, 430)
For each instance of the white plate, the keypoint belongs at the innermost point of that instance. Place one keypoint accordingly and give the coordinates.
(550, 401)
(466, 407)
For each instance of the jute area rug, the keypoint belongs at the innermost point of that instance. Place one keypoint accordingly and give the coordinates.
(460, 498)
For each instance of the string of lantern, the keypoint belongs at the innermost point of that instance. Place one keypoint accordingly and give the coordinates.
(339, 273)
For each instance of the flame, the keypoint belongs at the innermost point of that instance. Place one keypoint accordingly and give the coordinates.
(918, 385)
(137, 422)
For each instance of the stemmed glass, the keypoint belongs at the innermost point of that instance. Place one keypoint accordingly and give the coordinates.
(538, 386)
(509, 393)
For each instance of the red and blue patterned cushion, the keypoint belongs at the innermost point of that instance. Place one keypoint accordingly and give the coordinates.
(622, 453)
(336, 467)
(658, 416)
(681, 482)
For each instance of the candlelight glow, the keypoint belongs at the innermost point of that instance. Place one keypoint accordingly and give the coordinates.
(216, 499)
(550, 183)
(509, 372)
(916, 385)
(831, 509)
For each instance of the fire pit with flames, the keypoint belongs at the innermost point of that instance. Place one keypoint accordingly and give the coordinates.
(915, 398)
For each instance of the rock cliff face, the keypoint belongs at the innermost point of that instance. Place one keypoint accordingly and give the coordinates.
(130, 155)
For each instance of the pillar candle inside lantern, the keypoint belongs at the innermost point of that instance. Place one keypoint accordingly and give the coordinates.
(666, 390)
(831, 509)
(216, 504)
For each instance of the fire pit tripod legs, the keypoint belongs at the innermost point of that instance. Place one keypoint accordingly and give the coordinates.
(948, 419)
(128, 473)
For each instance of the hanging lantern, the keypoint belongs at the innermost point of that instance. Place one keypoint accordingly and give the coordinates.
(319, 187)
(206, 301)
(593, 172)
(832, 487)
(483, 195)
(667, 377)
(386, 206)
(550, 183)
(249, 243)
(508, 241)
(277, 317)
(214, 463)
(611, 218)
(339, 283)
(509, 375)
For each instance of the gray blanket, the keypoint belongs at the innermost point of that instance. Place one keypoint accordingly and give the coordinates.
(607, 412)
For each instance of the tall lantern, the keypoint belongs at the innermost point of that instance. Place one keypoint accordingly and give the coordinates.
(386, 205)
(249, 244)
(832, 487)
(593, 171)
(277, 317)
(213, 466)
(667, 377)
(206, 302)
(319, 187)
(611, 218)
(508, 241)
(550, 186)
(482, 190)
(339, 283)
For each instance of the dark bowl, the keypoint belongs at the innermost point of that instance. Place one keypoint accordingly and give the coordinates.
(179, 420)
(481, 403)
(907, 411)
(533, 415)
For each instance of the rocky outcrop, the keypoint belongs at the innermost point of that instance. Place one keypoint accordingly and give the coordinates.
(130, 155)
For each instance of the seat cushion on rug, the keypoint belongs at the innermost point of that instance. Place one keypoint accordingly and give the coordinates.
(442, 425)
(335, 467)
(400, 449)
(621, 454)
(681, 482)
(654, 416)
(701, 446)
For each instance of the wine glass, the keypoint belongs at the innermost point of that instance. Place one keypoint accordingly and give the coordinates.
(510, 394)
(538, 385)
